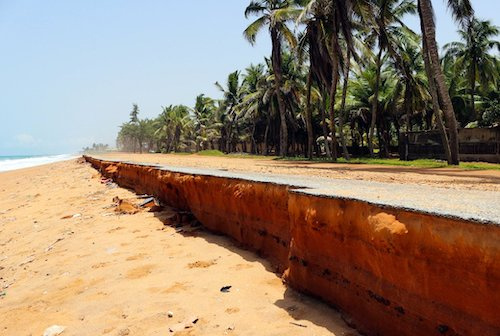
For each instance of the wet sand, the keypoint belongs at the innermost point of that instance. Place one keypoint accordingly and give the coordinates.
(450, 178)
(98, 273)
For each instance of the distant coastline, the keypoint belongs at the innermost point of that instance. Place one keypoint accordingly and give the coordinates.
(14, 162)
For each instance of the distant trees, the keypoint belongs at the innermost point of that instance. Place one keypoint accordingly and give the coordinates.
(471, 58)
(340, 72)
(96, 148)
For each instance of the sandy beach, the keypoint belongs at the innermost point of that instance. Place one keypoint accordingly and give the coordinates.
(67, 259)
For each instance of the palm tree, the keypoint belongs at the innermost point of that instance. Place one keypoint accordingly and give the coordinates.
(255, 103)
(274, 14)
(205, 126)
(462, 11)
(472, 56)
(233, 96)
(173, 124)
(388, 26)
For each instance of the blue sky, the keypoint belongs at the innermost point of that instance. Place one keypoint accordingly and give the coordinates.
(70, 70)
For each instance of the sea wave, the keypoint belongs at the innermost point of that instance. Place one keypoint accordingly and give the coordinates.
(13, 164)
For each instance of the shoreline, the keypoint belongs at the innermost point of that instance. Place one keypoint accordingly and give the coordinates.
(13, 164)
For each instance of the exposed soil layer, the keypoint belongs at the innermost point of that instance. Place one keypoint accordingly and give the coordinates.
(395, 271)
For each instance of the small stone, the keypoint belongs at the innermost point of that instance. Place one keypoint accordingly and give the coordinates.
(170, 314)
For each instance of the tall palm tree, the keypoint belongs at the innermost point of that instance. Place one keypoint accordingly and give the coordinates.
(233, 96)
(274, 14)
(315, 18)
(473, 55)
(254, 104)
(388, 26)
(205, 126)
(461, 11)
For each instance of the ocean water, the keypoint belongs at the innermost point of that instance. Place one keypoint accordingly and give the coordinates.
(14, 162)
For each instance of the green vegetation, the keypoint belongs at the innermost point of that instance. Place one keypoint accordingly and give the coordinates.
(345, 78)
(420, 163)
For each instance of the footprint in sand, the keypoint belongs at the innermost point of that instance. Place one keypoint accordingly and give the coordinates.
(232, 310)
(100, 265)
(140, 272)
(241, 267)
(139, 256)
(176, 288)
(202, 264)
(116, 229)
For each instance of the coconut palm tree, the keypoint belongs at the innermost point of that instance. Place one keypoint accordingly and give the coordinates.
(173, 125)
(462, 12)
(473, 57)
(388, 26)
(274, 14)
(205, 126)
(233, 96)
(315, 18)
(254, 104)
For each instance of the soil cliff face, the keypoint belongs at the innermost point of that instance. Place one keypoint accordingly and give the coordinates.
(395, 272)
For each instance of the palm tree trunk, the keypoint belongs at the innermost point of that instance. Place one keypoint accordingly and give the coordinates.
(254, 143)
(342, 108)
(435, 101)
(333, 92)
(375, 101)
(310, 134)
(473, 93)
(276, 63)
(407, 106)
(427, 22)
(324, 127)
(266, 136)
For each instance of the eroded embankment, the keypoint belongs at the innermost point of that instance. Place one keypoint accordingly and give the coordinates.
(395, 272)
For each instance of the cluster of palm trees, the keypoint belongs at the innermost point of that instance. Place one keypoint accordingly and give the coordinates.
(345, 77)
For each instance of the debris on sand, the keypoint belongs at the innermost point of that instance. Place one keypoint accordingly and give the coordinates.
(109, 183)
(51, 246)
(54, 330)
(152, 203)
(125, 206)
(225, 289)
(187, 324)
(72, 216)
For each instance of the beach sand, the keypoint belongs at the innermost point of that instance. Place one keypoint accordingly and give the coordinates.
(98, 273)
(450, 178)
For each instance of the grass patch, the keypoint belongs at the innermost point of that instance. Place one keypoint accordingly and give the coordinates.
(212, 152)
(420, 163)
(479, 166)
(218, 153)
